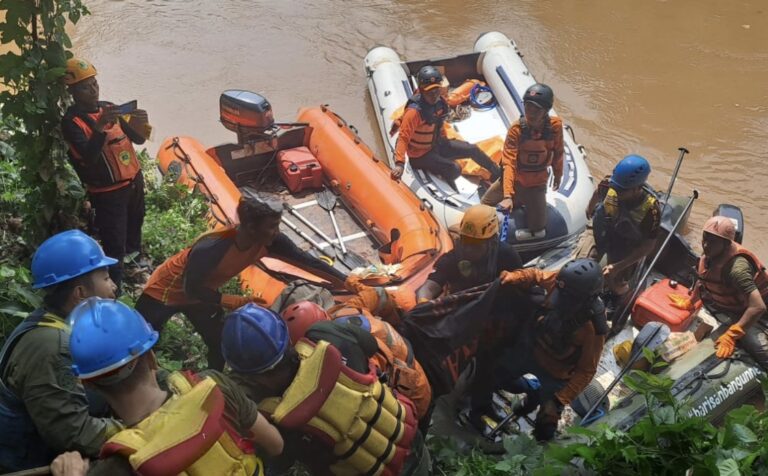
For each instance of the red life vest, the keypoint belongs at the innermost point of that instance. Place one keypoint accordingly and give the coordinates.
(117, 165)
(190, 434)
(369, 429)
(714, 286)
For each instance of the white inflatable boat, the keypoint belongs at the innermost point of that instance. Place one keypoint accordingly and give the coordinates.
(497, 62)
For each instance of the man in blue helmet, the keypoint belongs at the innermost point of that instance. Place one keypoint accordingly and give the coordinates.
(43, 407)
(324, 394)
(183, 422)
(626, 219)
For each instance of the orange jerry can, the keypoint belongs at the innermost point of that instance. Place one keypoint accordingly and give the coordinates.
(299, 169)
(654, 304)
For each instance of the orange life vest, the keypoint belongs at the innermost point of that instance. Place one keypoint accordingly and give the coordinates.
(395, 358)
(425, 135)
(118, 164)
(714, 286)
(534, 154)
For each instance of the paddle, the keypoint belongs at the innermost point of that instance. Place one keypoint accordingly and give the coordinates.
(305, 236)
(350, 259)
(651, 336)
(672, 180)
(327, 200)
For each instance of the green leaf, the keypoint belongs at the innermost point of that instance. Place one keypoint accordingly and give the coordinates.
(728, 467)
(7, 272)
(743, 434)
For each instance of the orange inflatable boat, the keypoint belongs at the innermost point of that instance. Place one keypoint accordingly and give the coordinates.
(380, 220)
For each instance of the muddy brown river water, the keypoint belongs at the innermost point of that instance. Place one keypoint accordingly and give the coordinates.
(630, 75)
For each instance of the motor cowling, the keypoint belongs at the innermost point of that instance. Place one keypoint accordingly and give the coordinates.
(246, 113)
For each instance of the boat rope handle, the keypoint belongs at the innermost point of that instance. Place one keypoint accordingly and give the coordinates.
(210, 197)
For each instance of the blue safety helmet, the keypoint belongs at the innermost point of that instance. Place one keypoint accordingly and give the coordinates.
(632, 171)
(254, 339)
(106, 335)
(66, 255)
(358, 320)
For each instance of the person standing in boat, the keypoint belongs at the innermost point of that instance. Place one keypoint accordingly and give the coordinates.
(733, 283)
(477, 257)
(561, 344)
(188, 282)
(323, 393)
(101, 152)
(423, 137)
(533, 144)
(626, 219)
(182, 422)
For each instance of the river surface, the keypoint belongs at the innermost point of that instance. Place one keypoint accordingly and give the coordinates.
(631, 76)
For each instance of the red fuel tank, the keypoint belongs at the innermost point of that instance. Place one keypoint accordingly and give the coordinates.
(654, 304)
(299, 169)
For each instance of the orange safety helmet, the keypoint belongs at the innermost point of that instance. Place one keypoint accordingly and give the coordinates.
(300, 316)
(78, 70)
(721, 226)
(480, 222)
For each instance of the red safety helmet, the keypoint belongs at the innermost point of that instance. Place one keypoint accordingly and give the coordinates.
(721, 226)
(300, 316)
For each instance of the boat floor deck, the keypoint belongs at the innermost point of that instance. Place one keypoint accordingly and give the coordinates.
(356, 238)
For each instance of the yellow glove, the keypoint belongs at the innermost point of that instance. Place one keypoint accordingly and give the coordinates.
(232, 301)
(726, 343)
(680, 302)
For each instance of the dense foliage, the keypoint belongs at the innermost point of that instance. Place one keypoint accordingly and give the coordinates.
(33, 100)
(664, 442)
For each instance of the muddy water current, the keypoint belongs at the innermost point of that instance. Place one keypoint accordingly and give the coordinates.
(630, 76)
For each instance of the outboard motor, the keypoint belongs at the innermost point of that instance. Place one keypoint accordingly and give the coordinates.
(247, 114)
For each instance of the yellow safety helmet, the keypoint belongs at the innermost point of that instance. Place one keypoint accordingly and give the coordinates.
(78, 70)
(480, 222)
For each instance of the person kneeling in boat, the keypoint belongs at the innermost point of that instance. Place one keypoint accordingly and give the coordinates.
(394, 357)
(191, 423)
(733, 283)
(477, 258)
(561, 344)
(188, 281)
(626, 223)
(533, 144)
(325, 391)
(423, 137)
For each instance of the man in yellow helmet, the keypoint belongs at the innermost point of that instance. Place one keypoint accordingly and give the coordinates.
(477, 258)
(100, 140)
